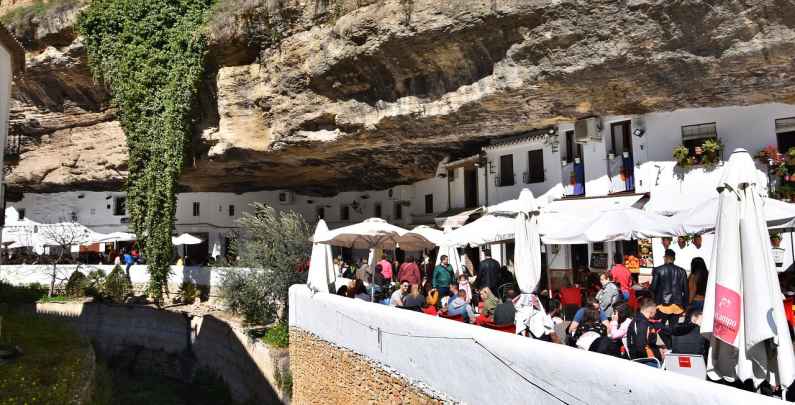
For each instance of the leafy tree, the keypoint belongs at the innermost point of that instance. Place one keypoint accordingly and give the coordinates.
(77, 284)
(117, 286)
(274, 248)
(151, 55)
(60, 237)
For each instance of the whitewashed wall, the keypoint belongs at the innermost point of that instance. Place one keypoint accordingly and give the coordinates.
(460, 363)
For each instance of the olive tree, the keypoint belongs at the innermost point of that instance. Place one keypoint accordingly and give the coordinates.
(274, 247)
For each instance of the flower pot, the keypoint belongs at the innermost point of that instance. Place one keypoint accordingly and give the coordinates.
(563, 163)
(776, 242)
(626, 154)
(576, 161)
(611, 156)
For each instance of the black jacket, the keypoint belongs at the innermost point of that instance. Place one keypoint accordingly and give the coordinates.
(687, 339)
(642, 335)
(669, 285)
(488, 275)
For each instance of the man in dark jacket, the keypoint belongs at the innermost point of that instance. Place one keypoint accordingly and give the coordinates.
(669, 286)
(488, 273)
(642, 333)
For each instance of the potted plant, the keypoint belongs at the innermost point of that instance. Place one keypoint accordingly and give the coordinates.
(625, 154)
(611, 156)
(576, 161)
(681, 154)
(711, 149)
(563, 162)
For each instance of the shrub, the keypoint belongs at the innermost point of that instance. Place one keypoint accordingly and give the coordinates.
(76, 286)
(95, 280)
(278, 335)
(11, 294)
(273, 248)
(187, 292)
(117, 287)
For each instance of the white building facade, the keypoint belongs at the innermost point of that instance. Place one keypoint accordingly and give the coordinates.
(609, 160)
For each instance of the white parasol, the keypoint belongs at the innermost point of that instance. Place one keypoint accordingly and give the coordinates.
(743, 312)
(185, 239)
(322, 276)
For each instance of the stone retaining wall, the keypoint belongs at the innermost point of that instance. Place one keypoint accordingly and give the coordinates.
(326, 374)
(182, 341)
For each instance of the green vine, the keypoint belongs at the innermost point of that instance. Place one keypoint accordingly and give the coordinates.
(151, 55)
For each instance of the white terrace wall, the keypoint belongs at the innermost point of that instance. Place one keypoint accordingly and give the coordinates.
(463, 365)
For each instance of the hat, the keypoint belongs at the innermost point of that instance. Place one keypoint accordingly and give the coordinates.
(670, 253)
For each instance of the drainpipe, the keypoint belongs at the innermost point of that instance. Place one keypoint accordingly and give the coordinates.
(449, 203)
(486, 181)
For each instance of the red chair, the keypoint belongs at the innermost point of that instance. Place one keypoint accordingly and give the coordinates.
(570, 300)
(459, 317)
(788, 311)
(632, 302)
(510, 328)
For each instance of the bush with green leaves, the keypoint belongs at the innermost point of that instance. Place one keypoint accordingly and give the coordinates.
(76, 286)
(188, 292)
(95, 280)
(151, 56)
(274, 248)
(278, 335)
(117, 287)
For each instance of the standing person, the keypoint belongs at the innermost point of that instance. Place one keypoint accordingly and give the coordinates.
(608, 295)
(488, 273)
(621, 275)
(386, 267)
(128, 262)
(697, 283)
(410, 272)
(363, 272)
(463, 285)
(669, 286)
(443, 276)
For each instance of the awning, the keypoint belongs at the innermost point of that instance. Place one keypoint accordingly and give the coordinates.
(586, 207)
(456, 218)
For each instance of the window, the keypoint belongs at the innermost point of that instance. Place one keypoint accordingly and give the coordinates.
(21, 213)
(429, 203)
(231, 210)
(620, 138)
(535, 166)
(694, 135)
(120, 206)
(196, 210)
(506, 170)
(321, 212)
(398, 210)
(345, 213)
(377, 210)
(785, 134)
(573, 149)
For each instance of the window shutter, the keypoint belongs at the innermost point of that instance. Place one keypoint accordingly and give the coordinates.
(535, 169)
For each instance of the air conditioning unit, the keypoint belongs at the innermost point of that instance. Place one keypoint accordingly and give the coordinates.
(588, 129)
(286, 197)
(401, 193)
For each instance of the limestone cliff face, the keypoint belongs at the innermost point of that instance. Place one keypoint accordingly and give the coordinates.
(326, 95)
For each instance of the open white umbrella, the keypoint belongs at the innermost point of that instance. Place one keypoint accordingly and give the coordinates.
(118, 237)
(423, 235)
(185, 239)
(369, 234)
(321, 276)
(612, 225)
(743, 312)
(701, 218)
(524, 203)
(483, 231)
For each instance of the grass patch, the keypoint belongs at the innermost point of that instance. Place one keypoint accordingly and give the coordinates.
(49, 371)
(54, 298)
(277, 335)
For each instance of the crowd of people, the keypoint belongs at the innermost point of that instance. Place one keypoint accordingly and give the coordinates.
(618, 317)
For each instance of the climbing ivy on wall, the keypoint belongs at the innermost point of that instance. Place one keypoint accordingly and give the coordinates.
(150, 53)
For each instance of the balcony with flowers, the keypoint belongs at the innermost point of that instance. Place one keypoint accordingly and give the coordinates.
(781, 171)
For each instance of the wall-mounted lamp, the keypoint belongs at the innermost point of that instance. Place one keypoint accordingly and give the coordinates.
(552, 131)
(638, 132)
(365, 196)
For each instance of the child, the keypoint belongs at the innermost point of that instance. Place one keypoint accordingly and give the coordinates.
(463, 285)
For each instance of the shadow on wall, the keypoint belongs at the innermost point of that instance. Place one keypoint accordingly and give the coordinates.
(245, 365)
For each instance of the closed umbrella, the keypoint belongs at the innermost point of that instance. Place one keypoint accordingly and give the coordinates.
(743, 312)
(321, 277)
(527, 252)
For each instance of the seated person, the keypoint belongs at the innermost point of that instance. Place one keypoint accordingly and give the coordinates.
(642, 333)
(359, 292)
(396, 300)
(591, 303)
(505, 313)
(490, 302)
(431, 302)
(460, 306)
(589, 329)
(687, 337)
(414, 300)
